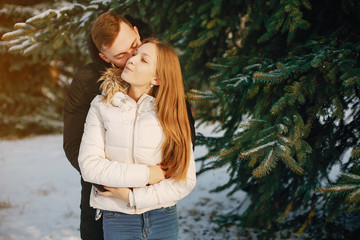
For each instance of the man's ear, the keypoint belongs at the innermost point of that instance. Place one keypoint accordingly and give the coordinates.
(103, 57)
(137, 32)
(155, 82)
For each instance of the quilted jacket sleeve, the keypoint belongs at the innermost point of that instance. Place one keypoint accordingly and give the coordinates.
(95, 168)
(166, 191)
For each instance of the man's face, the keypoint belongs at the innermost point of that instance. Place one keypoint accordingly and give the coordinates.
(124, 46)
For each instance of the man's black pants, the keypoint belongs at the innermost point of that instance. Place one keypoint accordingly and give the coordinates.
(89, 228)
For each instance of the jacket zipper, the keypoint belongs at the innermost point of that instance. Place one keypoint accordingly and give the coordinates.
(137, 114)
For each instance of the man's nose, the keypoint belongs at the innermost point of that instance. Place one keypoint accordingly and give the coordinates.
(133, 51)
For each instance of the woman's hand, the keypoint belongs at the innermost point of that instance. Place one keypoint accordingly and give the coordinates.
(122, 193)
(156, 174)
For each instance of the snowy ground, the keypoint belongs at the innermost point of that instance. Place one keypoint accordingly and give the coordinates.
(40, 195)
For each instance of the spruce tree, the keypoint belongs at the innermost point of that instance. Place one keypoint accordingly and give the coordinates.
(287, 96)
(32, 87)
(280, 76)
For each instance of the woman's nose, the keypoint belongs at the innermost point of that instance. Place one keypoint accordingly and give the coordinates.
(134, 59)
(130, 60)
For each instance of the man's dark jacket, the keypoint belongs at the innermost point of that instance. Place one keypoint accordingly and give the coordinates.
(83, 89)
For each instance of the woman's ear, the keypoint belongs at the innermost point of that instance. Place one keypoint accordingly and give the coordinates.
(155, 82)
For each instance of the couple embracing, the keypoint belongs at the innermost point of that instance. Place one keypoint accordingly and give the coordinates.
(129, 132)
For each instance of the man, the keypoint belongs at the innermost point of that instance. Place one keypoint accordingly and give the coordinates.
(114, 39)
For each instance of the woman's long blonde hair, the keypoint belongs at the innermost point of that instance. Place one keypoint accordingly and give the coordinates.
(170, 107)
(171, 110)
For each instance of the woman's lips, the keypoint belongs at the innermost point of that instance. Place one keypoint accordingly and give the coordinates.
(127, 68)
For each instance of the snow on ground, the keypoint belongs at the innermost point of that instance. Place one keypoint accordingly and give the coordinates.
(40, 194)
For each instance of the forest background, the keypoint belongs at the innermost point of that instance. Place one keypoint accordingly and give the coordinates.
(279, 78)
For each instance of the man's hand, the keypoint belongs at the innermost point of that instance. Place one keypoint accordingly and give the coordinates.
(122, 193)
(156, 174)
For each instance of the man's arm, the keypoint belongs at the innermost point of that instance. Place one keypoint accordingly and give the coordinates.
(82, 90)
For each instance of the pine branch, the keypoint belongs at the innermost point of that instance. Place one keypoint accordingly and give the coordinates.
(308, 220)
(201, 96)
(49, 30)
(270, 77)
(257, 149)
(351, 177)
(338, 188)
(266, 165)
(291, 163)
(287, 18)
(356, 152)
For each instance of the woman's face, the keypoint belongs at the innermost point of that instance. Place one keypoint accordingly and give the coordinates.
(140, 70)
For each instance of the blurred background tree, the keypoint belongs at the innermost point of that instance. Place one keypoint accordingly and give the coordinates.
(281, 78)
(33, 88)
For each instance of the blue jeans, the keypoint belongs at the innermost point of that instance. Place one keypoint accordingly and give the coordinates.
(156, 224)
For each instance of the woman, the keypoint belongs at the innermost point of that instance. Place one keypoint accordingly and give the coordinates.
(141, 122)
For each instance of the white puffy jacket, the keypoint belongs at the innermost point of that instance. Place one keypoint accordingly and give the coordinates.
(118, 145)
